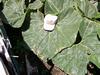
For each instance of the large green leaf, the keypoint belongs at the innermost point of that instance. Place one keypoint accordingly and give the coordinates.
(14, 12)
(46, 44)
(73, 60)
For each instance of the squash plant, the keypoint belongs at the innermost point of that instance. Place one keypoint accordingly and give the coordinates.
(75, 40)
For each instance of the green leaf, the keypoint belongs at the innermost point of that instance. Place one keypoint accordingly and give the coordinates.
(92, 42)
(97, 16)
(36, 5)
(0, 1)
(57, 6)
(88, 8)
(74, 60)
(47, 44)
(14, 12)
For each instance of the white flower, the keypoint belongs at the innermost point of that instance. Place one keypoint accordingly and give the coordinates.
(49, 22)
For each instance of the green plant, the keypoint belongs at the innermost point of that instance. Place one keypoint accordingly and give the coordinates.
(76, 18)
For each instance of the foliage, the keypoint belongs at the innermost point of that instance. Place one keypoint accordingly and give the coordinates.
(75, 18)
